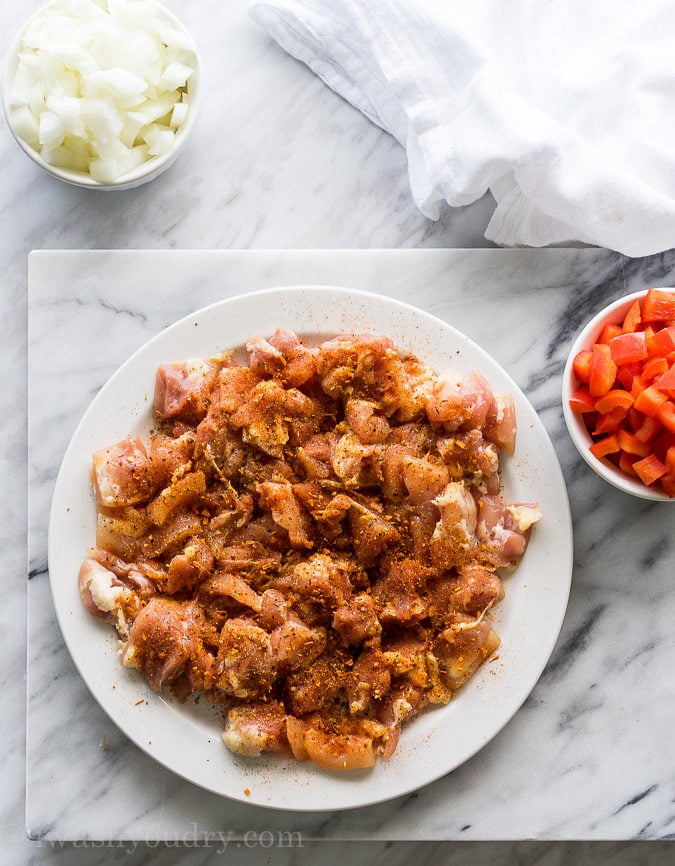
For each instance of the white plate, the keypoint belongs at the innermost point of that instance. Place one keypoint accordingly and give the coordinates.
(186, 738)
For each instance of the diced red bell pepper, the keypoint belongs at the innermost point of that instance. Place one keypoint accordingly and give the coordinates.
(648, 430)
(634, 418)
(608, 445)
(649, 401)
(658, 306)
(627, 372)
(649, 469)
(638, 386)
(602, 373)
(662, 443)
(654, 367)
(581, 365)
(662, 342)
(666, 415)
(609, 331)
(614, 399)
(633, 317)
(626, 462)
(629, 443)
(608, 423)
(626, 348)
(667, 381)
(581, 401)
(668, 484)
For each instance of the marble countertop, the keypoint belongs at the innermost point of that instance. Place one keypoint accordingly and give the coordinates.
(278, 161)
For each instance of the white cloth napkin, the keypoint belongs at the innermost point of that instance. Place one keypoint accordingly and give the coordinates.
(564, 110)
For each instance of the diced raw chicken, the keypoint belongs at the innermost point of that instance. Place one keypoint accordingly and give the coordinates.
(138, 577)
(311, 541)
(405, 654)
(424, 478)
(461, 648)
(345, 751)
(282, 357)
(368, 681)
(256, 728)
(123, 474)
(319, 684)
(234, 386)
(105, 596)
(316, 455)
(265, 360)
(356, 464)
(122, 532)
(444, 403)
(319, 578)
(372, 533)
(245, 662)
(356, 621)
(401, 704)
(454, 537)
(300, 360)
(362, 365)
(274, 609)
(504, 530)
(415, 394)
(470, 454)
(370, 428)
(281, 501)
(173, 535)
(170, 453)
(477, 589)
(398, 595)
(476, 396)
(264, 415)
(232, 586)
(176, 495)
(296, 645)
(162, 639)
(183, 390)
(500, 425)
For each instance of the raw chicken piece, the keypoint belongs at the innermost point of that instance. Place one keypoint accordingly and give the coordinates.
(255, 728)
(245, 663)
(123, 474)
(184, 390)
(281, 501)
(162, 639)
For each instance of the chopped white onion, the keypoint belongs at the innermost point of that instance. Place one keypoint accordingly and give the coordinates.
(178, 114)
(26, 125)
(174, 76)
(50, 131)
(158, 139)
(101, 85)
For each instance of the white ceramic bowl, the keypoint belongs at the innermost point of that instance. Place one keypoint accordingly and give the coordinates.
(143, 173)
(612, 314)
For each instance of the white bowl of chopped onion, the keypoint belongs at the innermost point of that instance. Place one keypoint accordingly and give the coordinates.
(102, 94)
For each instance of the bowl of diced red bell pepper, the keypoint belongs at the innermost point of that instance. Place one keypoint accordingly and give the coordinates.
(619, 394)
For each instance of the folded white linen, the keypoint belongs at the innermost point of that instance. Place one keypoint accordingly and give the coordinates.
(565, 111)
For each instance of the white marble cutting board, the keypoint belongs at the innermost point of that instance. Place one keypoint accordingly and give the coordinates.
(590, 754)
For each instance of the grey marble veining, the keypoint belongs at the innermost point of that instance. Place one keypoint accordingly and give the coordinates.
(279, 161)
(579, 761)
